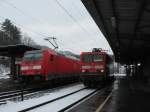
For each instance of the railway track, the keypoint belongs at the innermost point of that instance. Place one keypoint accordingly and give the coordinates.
(10, 95)
(4, 96)
(14, 93)
(81, 100)
(86, 93)
(50, 101)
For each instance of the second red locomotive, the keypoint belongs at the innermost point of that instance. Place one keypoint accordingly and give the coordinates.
(48, 65)
(97, 68)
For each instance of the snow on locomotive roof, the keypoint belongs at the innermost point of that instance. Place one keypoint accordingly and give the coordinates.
(68, 55)
(102, 52)
(62, 53)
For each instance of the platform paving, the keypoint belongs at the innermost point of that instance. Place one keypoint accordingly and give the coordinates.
(128, 96)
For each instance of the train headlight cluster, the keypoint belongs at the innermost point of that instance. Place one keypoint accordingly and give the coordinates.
(37, 67)
(24, 68)
(83, 71)
(102, 70)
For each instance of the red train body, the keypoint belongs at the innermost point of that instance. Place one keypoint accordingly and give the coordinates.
(48, 65)
(97, 68)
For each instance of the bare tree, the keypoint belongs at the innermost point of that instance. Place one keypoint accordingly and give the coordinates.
(28, 40)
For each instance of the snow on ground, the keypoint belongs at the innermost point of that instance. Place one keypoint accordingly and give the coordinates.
(4, 75)
(4, 71)
(62, 103)
(120, 74)
(14, 107)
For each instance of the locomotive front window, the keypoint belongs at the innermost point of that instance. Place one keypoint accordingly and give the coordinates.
(97, 57)
(32, 56)
(28, 56)
(87, 58)
(92, 58)
(37, 56)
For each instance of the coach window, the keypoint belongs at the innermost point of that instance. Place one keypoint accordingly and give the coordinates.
(51, 57)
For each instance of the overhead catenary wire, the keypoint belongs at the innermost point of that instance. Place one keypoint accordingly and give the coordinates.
(35, 19)
(21, 11)
(42, 35)
(26, 15)
(37, 33)
(79, 12)
(72, 17)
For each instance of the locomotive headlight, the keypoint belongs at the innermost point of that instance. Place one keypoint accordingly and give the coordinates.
(83, 70)
(24, 68)
(37, 67)
(102, 70)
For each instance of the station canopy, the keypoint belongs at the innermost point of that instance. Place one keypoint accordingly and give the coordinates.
(15, 50)
(126, 26)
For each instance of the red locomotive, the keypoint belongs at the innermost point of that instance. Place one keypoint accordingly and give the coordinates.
(97, 67)
(49, 65)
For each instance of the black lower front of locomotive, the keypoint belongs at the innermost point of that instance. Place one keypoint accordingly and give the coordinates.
(94, 80)
(53, 79)
(32, 78)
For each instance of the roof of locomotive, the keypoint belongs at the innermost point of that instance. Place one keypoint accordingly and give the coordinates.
(42, 50)
(68, 56)
(94, 53)
(102, 53)
(52, 52)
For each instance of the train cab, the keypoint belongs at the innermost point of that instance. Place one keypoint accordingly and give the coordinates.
(34, 64)
(96, 67)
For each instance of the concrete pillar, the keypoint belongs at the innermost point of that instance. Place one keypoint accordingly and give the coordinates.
(13, 68)
(146, 70)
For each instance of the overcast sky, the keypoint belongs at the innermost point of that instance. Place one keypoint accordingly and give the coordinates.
(45, 18)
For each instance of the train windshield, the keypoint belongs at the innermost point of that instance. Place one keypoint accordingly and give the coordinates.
(33, 56)
(97, 57)
(92, 57)
(87, 58)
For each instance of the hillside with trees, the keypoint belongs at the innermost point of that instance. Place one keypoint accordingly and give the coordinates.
(11, 35)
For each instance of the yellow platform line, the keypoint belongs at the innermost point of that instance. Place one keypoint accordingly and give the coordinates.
(102, 105)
